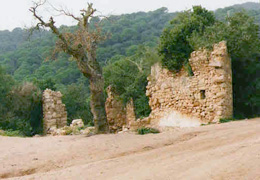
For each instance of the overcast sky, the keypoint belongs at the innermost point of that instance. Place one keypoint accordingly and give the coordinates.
(15, 13)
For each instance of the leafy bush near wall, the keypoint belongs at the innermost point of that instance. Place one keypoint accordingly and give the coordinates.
(128, 75)
(21, 109)
(77, 101)
(145, 130)
(174, 45)
(26, 107)
(226, 120)
(11, 133)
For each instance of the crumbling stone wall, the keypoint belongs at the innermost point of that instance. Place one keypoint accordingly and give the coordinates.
(116, 113)
(183, 100)
(131, 122)
(119, 116)
(54, 112)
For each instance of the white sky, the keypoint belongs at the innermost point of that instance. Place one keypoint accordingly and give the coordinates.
(15, 13)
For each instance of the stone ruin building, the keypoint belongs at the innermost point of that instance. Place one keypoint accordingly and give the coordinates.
(175, 99)
(54, 112)
(182, 100)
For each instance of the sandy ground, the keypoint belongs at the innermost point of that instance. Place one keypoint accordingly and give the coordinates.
(223, 151)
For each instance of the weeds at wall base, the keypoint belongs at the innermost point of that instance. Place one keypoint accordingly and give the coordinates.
(143, 131)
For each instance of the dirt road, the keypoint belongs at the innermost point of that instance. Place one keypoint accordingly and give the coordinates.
(223, 151)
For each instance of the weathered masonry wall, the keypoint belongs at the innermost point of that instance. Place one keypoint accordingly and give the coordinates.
(183, 100)
(54, 112)
(118, 115)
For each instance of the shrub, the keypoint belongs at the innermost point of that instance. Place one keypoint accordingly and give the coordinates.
(77, 101)
(225, 120)
(68, 130)
(11, 133)
(25, 110)
(145, 130)
(174, 45)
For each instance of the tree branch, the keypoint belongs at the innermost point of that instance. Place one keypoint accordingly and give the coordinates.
(86, 14)
(137, 65)
(66, 13)
(66, 47)
(78, 44)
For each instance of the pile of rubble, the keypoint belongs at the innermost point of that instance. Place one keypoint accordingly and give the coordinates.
(76, 128)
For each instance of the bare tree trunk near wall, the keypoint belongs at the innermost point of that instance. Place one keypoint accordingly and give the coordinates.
(98, 103)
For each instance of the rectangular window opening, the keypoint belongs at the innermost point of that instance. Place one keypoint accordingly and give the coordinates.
(202, 94)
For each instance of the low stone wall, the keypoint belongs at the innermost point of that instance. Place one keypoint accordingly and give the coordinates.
(185, 101)
(54, 112)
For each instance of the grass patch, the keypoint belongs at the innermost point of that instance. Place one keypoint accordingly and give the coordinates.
(225, 120)
(145, 130)
(68, 130)
(11, 133)
(222, 120)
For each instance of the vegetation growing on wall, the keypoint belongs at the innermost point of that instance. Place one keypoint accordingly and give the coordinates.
(174, 46)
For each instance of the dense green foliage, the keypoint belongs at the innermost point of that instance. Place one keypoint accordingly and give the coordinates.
(174, 43)
(252, 9)
(6, 82)
(130, 30)
(126, 56)
(76, 98)
(128, 75)
(21, 106)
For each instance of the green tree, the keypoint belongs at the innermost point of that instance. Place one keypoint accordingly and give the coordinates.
(6, 82)
(76, 99)
(26, 109)
(128, 75)
(174, 42)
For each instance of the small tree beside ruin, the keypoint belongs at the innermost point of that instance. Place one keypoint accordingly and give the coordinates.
(82, 46)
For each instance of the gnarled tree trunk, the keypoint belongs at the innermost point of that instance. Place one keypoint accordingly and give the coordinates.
(97, 103)
(82, 45)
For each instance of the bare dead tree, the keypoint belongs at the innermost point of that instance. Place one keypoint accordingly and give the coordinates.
(82, 46)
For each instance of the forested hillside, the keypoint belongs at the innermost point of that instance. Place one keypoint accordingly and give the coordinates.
(23, 56)
(253, 9)
(132, 39)
(25, 59)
